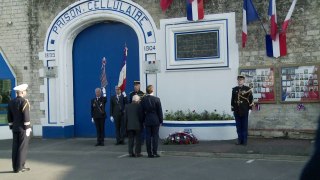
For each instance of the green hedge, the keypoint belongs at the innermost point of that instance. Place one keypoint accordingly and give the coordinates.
(195, 116)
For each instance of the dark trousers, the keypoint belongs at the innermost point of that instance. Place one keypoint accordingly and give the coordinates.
(120, 128)
(152, 137)
(99, 122)
(134, 139)
(242, 127)
(20, 145)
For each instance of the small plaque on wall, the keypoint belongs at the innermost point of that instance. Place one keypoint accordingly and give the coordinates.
(300, 84)
(261, 80)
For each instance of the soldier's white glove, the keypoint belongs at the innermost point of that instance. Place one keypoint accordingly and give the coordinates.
(104, 92)
(28, 132)
(249, 112)
(111, 119)
(92, 120)
(124, 94)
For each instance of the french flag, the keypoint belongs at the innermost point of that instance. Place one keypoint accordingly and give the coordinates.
(249, 14)
(195, 10)
(286, 21)
(123, 73)
(278, 47)
(272, 12)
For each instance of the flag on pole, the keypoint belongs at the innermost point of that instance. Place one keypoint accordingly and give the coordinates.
(272, 12)
(103, 76)
(278, 47)
(195, 10)
(123, 73)
(249, 14)
(165, 4)
(286, 21)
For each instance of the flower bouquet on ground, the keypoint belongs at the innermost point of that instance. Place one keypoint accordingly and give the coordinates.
(181, 138)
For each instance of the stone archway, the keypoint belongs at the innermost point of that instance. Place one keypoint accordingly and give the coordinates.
(57, 55)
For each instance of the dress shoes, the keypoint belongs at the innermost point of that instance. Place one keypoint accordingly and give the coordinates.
(97, 144)
(150, 156)
(22, 170)
(156, 155)
(139, 155)
(132, 155)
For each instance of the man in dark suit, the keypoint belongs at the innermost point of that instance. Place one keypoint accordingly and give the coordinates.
(133, 120)
(19, 123)
(241, 103)
(117, 105)
(311, 169)
(153, 118)
(98, 115)
(136, 91)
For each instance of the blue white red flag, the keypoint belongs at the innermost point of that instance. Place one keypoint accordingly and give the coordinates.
(278, 47)
(195, 10)
(103, 76)
(249, 14)
(272, 13)
(286, 21)
(165, 4)
(123, 73)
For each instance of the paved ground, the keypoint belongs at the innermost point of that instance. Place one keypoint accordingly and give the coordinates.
(79, 159)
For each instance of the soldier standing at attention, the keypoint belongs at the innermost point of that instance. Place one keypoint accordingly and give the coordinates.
(19, 123)
(98, 114)
(241, 103)
(136, 91)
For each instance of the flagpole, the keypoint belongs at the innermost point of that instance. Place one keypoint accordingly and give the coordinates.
(262, 24)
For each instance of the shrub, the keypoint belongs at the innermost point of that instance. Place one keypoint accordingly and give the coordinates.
(195, 116)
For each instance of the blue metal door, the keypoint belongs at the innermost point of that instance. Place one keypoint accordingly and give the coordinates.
(90, 46)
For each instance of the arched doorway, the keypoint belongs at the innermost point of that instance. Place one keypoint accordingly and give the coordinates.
(105, 39)
(58, 87)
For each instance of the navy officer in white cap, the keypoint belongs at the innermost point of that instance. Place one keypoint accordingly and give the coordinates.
(19, 123)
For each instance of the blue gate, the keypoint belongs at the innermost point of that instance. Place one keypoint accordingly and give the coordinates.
(90, 46)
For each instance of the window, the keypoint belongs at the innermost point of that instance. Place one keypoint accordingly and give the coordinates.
(5, 91)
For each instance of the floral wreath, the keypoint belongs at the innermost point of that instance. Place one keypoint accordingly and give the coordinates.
(181, 138)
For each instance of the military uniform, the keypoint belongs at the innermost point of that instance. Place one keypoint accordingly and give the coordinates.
(241, 103)
(19, 123)
(139, 93)
(98, 113)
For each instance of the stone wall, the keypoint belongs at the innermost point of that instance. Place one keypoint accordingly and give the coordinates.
(22, 40)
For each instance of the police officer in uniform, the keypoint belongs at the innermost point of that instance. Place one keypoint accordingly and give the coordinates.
(136, 91)
(241, 103)
(19, 123)
(98, 114)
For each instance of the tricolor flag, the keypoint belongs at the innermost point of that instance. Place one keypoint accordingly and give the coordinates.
(249, 14)
(165, 4)
(195, 10)
(272, 12)
(123, 73)
(103, 76)
(286, 21)
(278, 47)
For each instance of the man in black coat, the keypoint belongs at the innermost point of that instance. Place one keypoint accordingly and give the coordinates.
(311, 170)
(133, 120)
(117, 105)
(241, 103)
(19, 123)
(153, 118)
(98, 115)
